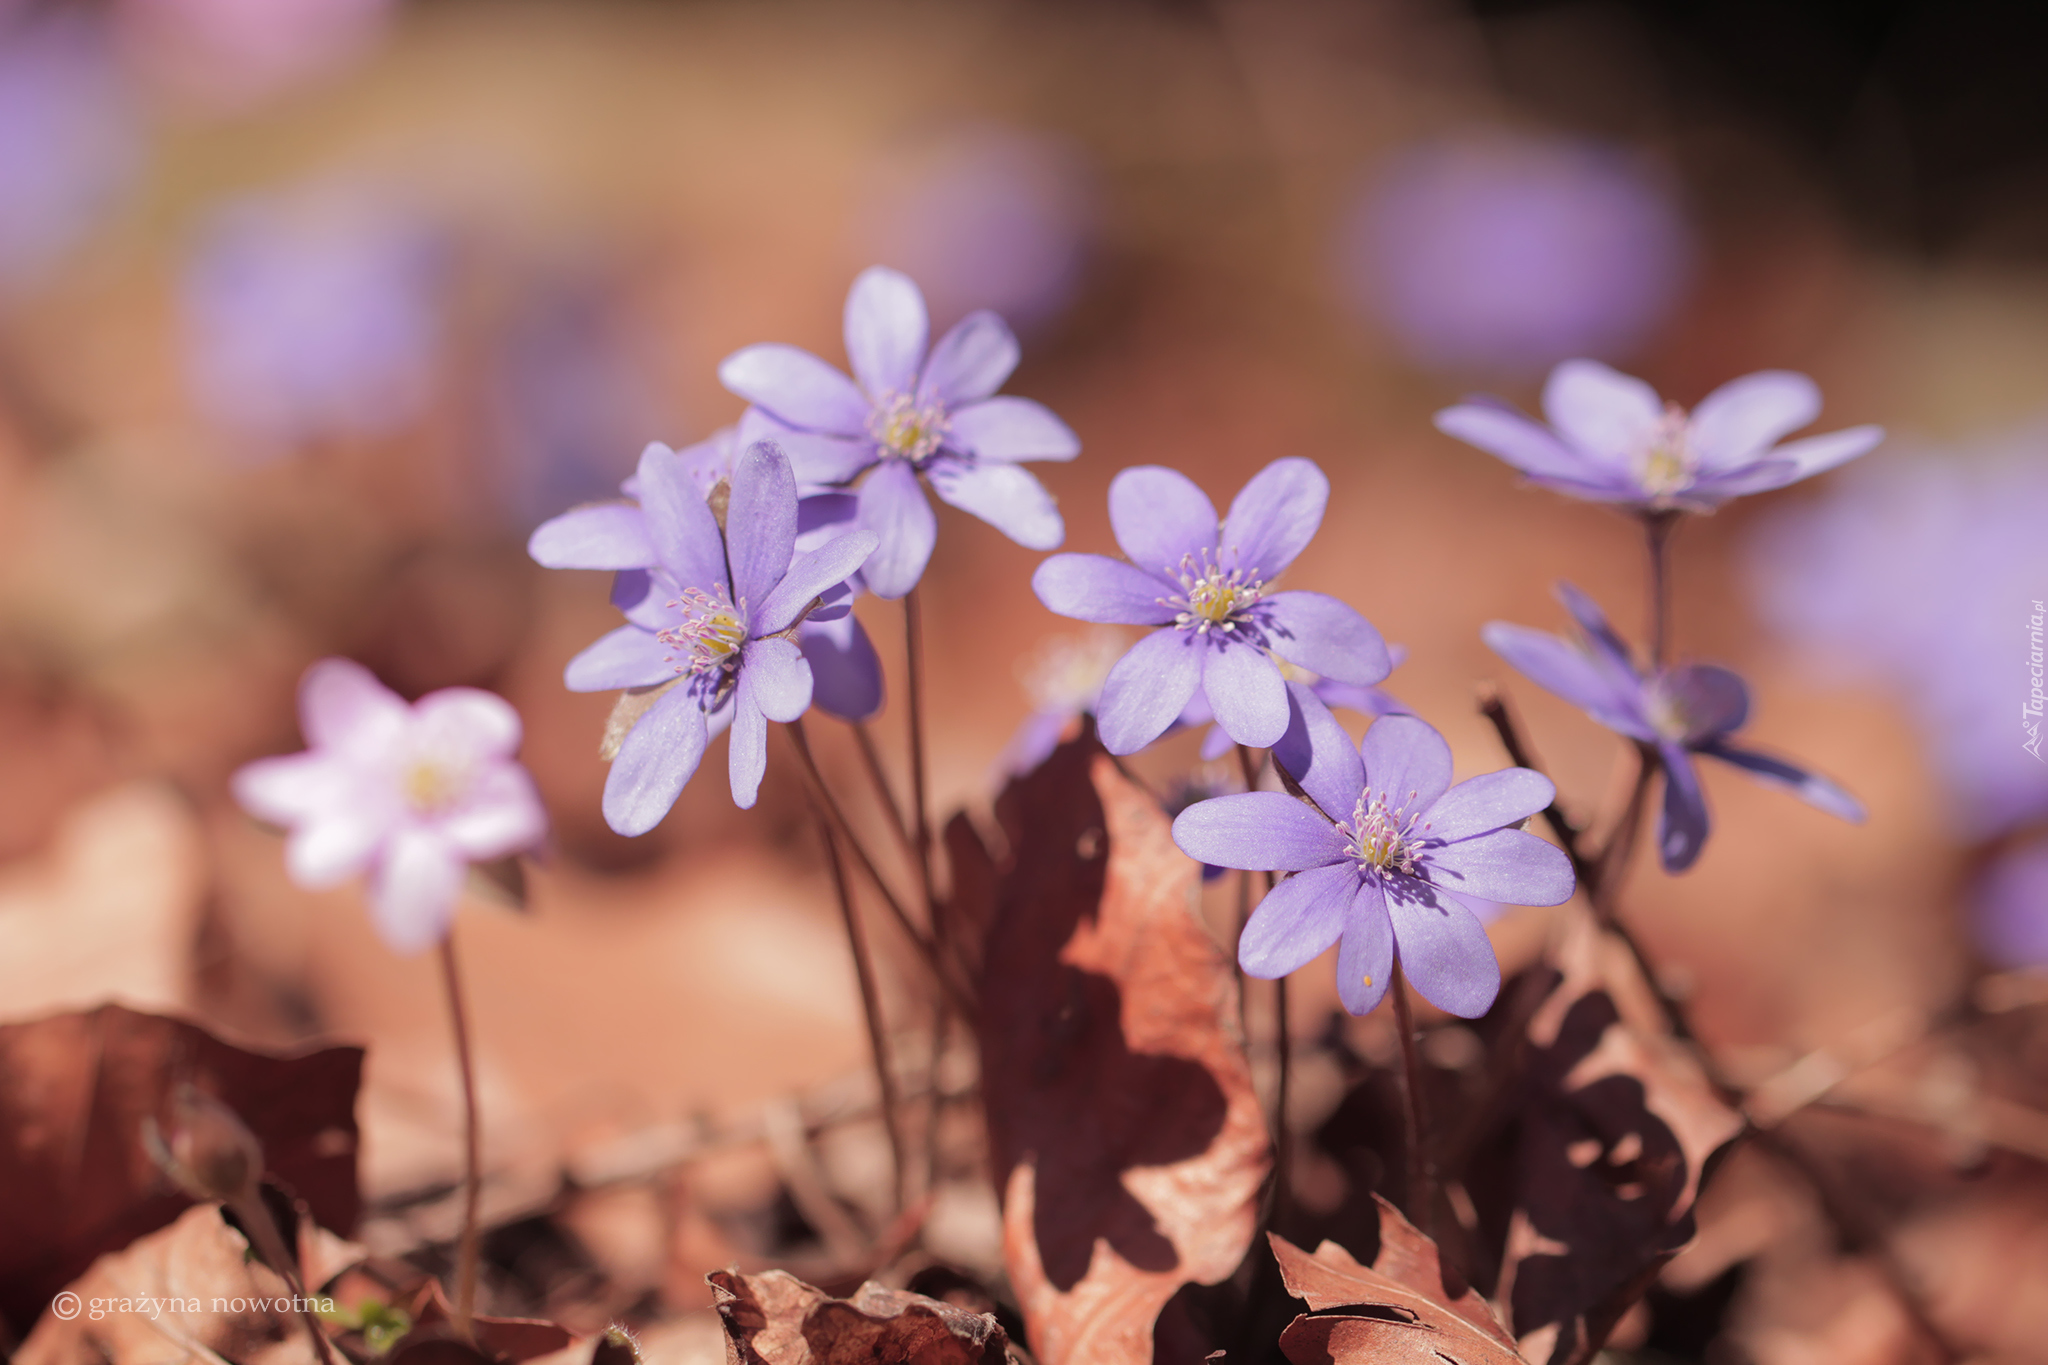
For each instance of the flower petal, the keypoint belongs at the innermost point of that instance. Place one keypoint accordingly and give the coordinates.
(1098, 588)
(291, 788)
(1319, 755)
(1297, 921)
(760, 521)
(817, 460)
(1365, 964)
(1011, 429)
(343, 706)
(658, 756)
(1246, 692)
(810, 575)
(1507, 865)
(1366, 701)
(775, 674)
(502, 814)
(336, 844)
(1560, 667)
(1507, 435)
(467, 722)
(894, 508)
(1004, 496)
(1710, 700)
(1682, 827)
(1606, 415)
(1491, 801)
(627, 657)
(1737, 422)
(1406, 759)
(747, 755)
(1609, 649)
(1274, 517)
(1812, 788)
(413, 896)
(1147, 689)
(1160, 518)
(887, 330)
(686, 537)
(1791, 462)
(797, 388)
(1263, 831)
(605, 535)
(1444, 948)
(971, 360)
(846, 674)
(1325, 636)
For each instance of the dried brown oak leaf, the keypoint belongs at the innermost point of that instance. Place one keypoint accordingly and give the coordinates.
(1125, 1136)
(1405, 1306)
(75, 1179)
(777, 1319)
(1618, 1122)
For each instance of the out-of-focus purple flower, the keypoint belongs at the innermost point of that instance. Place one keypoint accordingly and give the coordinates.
(1509, 254)
(911, 414)
(1610, 439)
(1919, 573)
(1382, 861)
(223, 56)
(1208, 583)
(1673, 712)
(69, 140)
(2009, 909)
(707, 641)
(1063, 679)
(312, 315)
(984, 217)
(412, 794)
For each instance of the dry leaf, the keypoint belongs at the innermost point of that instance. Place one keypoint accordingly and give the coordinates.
(1617, 1124)
(777, 1319)
(1405, 1306)
(75, 1179)
(1125, 1133)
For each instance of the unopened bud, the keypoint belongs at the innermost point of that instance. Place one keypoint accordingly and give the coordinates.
(210, 1153)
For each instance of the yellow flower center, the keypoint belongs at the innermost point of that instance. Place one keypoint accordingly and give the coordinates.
(711, 632)
(1211, 599)
(431, 785)
(908, 429)
(1382, 835)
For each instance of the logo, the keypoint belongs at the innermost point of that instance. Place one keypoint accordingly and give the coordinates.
(2037, 700)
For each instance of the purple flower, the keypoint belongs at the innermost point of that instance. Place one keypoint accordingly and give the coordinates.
(911, 414)
(1673, 712)
(2009, 909)
(1208, 584)
(1510, 253)
(1383, 859)
(69, 139)
(1611, 440)
(410, 793)
(710, 612)
(1337, 696)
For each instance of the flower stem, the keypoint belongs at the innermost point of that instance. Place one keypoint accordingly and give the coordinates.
(871, 1006)
(1657, 528)
(913, 650)
(472, 1172)
(1421, 1170)
(871, 759)
(1282, 1043)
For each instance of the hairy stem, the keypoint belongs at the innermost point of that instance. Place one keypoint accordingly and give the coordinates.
(1657, 528)
(871, 1007)
(1415, 1125)
(472, 1166)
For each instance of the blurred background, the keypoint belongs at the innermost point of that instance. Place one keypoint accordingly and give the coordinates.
(310, 310)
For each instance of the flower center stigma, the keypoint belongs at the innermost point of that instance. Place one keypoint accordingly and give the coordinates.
(1667, 459)
(907, 428)
(710, 634)
(1209, 598)
(431, 785)
(1383, 836)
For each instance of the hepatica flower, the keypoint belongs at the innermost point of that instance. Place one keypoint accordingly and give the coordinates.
(707, 644)
(1207, 584)
(1382, 861)
(1611, 439)
(411, 794)
(1674, 712)
(911, 413)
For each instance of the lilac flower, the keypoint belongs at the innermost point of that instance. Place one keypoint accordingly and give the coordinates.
(1208, 583)
(846, 673)
(69, 139)
(911, 414)
(410, 793)
(1383, 859)
(1337, 696)
(1611, 440)
(1919, 574)
(1673, 713)
(709, 614)
(1510, 253)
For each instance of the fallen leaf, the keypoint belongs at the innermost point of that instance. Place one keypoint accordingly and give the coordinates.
(1405, 1306)
(1126, 1137)
(777, 1319)
(75, 1179)
(1617, 1123)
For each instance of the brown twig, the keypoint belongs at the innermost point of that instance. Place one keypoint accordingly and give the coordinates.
(472, 1171)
